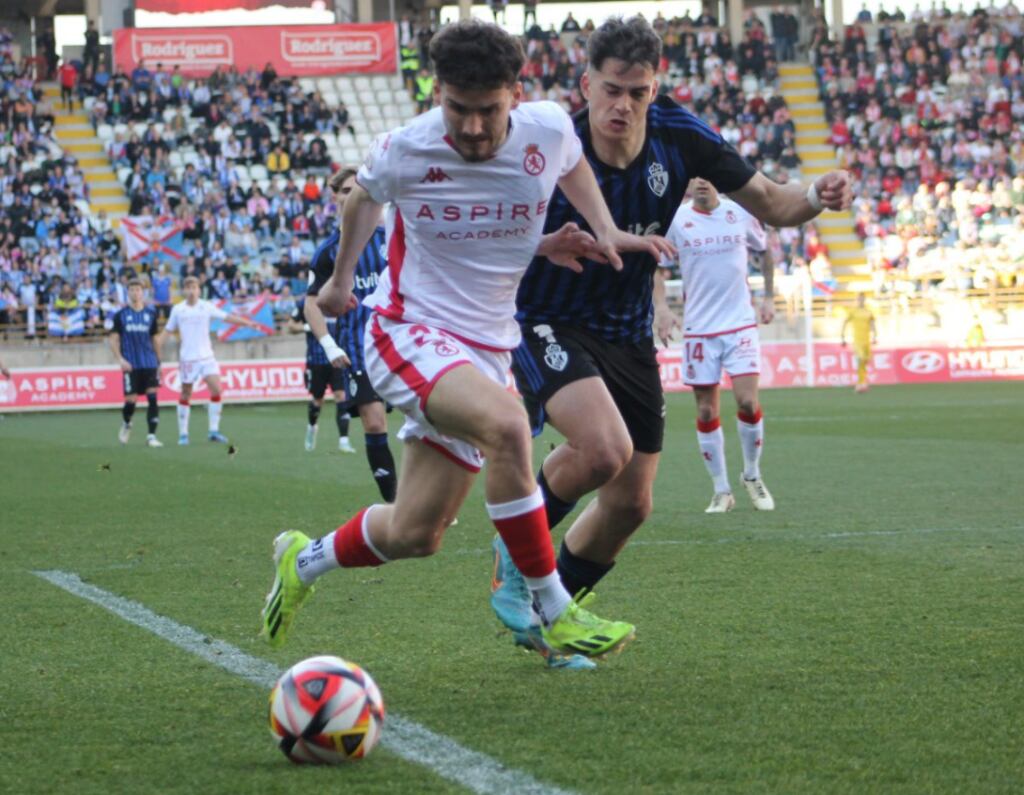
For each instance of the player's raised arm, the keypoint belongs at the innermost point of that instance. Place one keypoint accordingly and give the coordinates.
(358, 222)
(793, 204)
(580, 187)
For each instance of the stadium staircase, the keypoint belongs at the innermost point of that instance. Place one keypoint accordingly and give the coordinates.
(76, 136)
(846, 251)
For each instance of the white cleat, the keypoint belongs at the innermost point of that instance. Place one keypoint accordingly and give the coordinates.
(345, 446)
(152, 441)
(722, 502)
(759, 495)
(311, 437)
(124, 434)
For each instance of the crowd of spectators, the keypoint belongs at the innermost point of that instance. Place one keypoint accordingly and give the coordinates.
(927, 114)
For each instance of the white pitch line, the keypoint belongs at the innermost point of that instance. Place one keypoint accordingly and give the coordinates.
(412, 741)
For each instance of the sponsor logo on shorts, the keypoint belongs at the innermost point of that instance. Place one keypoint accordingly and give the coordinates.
(555, 357)
(353, 387)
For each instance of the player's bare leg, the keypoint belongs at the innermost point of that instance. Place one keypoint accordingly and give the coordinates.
(597, 445)
(214, 409)
(750, 425)
(595, 539)
(378, 454)
(184, 409)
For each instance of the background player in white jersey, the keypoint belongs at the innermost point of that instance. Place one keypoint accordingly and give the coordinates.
(467, 186)
(713, 236)
(191, 320)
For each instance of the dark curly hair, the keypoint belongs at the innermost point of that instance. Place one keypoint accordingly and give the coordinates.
(470, 54)
(631, 40)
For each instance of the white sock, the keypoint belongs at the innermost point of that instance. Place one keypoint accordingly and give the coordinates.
(712, 450)
(550, 594)
(317, 558)
(214, 409)
(183, 412)
(752, 441)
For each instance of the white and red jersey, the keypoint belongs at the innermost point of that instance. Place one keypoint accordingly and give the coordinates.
(461, 234)
(193, 324)
(713, 265)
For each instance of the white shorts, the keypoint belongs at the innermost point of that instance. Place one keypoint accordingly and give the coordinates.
(190, 372)
(405, 361)
(737, 352)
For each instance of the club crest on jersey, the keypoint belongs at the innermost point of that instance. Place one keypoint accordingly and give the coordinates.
(657, 179)
(730, 216)
(534, 161)
(555, 357)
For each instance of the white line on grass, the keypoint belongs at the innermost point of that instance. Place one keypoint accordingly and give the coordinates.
(405, 738)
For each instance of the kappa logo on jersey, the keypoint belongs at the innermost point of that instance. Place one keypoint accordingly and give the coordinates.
(657, 179)
(534, 161)
(730, 216)
(436, 174)
(555, 357)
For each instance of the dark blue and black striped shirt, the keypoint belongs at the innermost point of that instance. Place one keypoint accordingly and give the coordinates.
(136, 330)
(372, 262)
(643, 199)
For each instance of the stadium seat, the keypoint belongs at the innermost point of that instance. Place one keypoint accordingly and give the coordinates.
(351, 155)
(104, 132)
(396, 82)
(349, 97)
(377, 126)
(307, 85)
(367, 98)
(258, 172)
(374, 112)
(123, 173)
(400, 95)
(175, 159)
(363, 140)
(330, 98)
(325, 84)
(344, 84)
(361, 83)
(385, 97)
(121, 129)
(355, 111)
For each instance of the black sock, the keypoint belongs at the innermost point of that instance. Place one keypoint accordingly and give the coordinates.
(152, 412)
(127, 410)
(578, 574)
(557, 508)
(382, 465)
(341, 417)
(313, 412)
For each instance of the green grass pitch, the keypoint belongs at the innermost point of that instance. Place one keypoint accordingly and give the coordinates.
(866, 637)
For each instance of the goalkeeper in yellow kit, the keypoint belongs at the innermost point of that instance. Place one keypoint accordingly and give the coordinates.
(864, 336)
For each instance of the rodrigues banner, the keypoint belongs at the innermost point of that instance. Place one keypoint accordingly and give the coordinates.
(782, 365)
(291, 49)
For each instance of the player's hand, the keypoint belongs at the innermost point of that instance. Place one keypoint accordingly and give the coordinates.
(835, 190)
(341, 361)
(617, 240)
(568, 245)
(767, 310)
(335, 300)
(5, 372)
(126, 366)
(666, 324)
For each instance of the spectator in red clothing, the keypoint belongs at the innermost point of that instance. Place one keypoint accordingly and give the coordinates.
(840, 133)
(67, 75)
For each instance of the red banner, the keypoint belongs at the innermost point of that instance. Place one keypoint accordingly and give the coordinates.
(101, 387)
(292, 49)
(782, 365)
(785, 365)
(201, 6)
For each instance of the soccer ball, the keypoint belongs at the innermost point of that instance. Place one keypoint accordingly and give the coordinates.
(325, 711)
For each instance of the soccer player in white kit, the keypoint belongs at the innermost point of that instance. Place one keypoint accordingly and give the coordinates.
(191, 320)
(466, 187)
(714, 236)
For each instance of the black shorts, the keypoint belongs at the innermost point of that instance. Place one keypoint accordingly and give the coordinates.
(140, 380)
(321, 376)
(543, 365)
(358, 389)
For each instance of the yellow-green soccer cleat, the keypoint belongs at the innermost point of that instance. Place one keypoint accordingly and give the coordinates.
(288, 592)
(578, 630)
